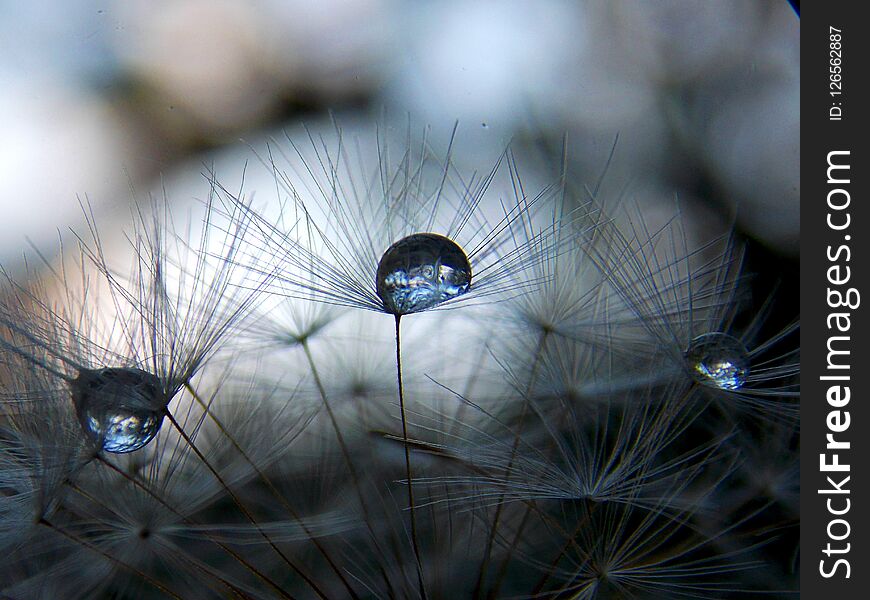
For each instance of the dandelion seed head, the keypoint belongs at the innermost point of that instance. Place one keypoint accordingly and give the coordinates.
(420, 272)
(718, 360)
(120, 409)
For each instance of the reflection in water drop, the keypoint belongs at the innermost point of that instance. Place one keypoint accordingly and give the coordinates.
(420, 272)
(120, 409)
(718, 360)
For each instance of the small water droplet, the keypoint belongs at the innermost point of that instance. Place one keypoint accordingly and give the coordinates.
(420, 272)
(718, 360)
(120, 409)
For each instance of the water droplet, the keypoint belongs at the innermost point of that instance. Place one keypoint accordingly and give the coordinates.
(718, 360)
(420, 272)
(120, 409)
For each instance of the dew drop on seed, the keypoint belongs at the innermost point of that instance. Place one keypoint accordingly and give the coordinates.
(120, 409)
(718, 360)
(420, 272)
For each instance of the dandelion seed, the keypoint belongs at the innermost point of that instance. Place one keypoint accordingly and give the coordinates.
(126, 345)
(690, 305)
(718, 360)
(288, 323)
(359, 213)
(424, 212)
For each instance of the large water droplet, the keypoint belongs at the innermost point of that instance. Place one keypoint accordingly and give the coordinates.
(120, 409)
(718, 360)
(420, 272)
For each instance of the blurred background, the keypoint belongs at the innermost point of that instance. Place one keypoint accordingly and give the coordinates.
(107, 101)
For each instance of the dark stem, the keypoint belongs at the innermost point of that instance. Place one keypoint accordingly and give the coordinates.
(265, 479)
(345, 452)
(478, 587)
(109, 557)
(411, 507)
(338, 435)
(569, 542)
(176, 512)
(242, 508)
(502, 572)
(237, 592)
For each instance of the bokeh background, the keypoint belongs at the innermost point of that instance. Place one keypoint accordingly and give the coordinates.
(106, 101)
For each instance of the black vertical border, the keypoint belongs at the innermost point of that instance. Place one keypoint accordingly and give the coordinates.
(819, 136)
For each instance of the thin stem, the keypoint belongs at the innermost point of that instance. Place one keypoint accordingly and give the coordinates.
(241, 506)
(339, 436)
(345, 453)
(90, 546)
(188, 520)
(569, 542)
(478, 587)
(238, 593)
(499, 578)
(265, 479)
(412, 509)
